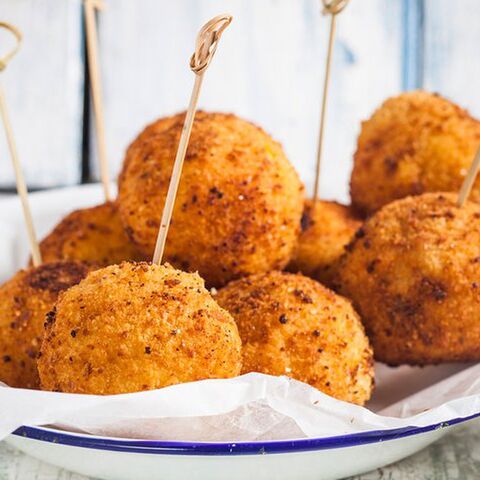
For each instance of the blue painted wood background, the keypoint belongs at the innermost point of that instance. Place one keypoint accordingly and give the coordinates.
(269, 69)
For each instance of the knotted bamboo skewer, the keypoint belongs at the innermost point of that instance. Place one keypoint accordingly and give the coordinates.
(332, 8)
(19, 178)
(467, 184)
(96, 88)
(205, 48)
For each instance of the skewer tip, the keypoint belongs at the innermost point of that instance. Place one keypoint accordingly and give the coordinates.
(470, 178)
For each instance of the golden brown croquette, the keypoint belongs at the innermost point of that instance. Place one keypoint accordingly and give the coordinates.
(239, 202)
(91, 234)
(24, 302)
(137, 326)
(414, 143)
(327, 227)
(413, 274)
(291, 325)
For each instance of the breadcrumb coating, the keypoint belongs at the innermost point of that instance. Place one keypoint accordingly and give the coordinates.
(414, 143)
(413, 274)
(91, 234)
(327, 227)
(137, 326)
(239, 202)
(291, 325)
(24, 302)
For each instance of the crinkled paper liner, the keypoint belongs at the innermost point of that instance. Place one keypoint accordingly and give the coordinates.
(251, 407)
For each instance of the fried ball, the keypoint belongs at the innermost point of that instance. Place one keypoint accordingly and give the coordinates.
(326, 228)
(90, 234)
(24, 302)
(239, 203)
(137, 326)
(291, 325)
(413, 274)
(415, 143)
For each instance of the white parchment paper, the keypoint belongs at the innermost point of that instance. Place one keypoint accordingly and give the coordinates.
(250, 407)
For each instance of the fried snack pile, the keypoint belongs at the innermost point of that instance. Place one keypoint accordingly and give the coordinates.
(326, 228)
(292, 325)
(413, 274)
(90, 234)
(133, 327)
(412, 270)
(414, 143)
(239, 203)
(24, 302)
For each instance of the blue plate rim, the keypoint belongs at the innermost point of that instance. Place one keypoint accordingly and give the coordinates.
(229, 448)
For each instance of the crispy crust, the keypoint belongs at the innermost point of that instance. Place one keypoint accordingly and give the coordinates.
(292, 325)
(90, 234)
(133, 327)
(327, 227)
(414, 143)
(413, 274)
(24, 302)
(239, 203)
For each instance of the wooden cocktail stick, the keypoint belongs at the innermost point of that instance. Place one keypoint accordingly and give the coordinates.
(205, 47)
(96, 88)
(19, 178)
(332, 8)
(467, 184)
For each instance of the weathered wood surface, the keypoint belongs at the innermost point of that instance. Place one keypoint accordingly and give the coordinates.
(44, 89)
(269, 69)
(451, 60)
(455, 457)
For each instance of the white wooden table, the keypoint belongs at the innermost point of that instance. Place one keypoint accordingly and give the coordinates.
(269, 70)
(456, 457)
